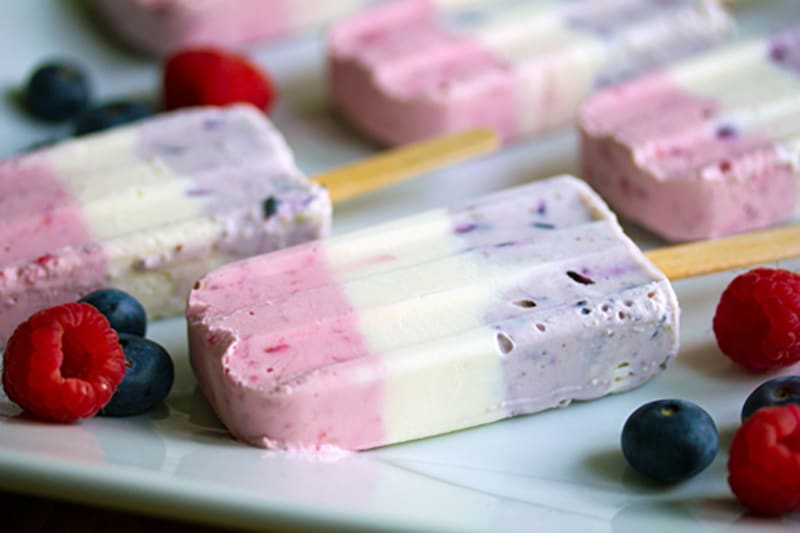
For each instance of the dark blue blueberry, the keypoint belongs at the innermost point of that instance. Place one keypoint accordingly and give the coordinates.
(670, 440)
(543, 225)
(123, 311)
(579, 278)
(270, 206)
(111, 115)
(778, 391)
(56, 92)
(148, 377)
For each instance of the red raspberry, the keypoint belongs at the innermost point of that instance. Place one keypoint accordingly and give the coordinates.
(757, 323)
(206, 76)
(63, 363)
(764, 461)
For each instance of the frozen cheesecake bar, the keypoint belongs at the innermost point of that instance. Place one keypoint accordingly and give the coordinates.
(162, 26)
(410, 69)
(520, 301)
(149, 208)
(707, 147)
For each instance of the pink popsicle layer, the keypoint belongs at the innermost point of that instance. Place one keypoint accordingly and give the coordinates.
(284, 355)
(41, 216)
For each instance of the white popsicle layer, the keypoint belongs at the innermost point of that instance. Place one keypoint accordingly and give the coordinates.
(520, 301)
(148, 208)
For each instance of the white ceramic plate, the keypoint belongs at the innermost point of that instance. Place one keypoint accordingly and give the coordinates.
(556, 471)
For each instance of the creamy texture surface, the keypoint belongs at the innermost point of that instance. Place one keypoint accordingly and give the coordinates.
(520, 301)
(148, 209)
(164, 26)
(410, 69)
(705, 148)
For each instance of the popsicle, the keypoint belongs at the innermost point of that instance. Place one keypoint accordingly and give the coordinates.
(410, 69)
(150, 207)
(161, 26)
(523, 300)
(707, 147)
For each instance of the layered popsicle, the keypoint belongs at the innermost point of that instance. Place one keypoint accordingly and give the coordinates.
(707, 147)
(163, 26)
(517, 302)
(148, 209)
(410, 69)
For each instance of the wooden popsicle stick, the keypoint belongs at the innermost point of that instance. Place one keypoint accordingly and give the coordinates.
(405, 162)
(706, 257)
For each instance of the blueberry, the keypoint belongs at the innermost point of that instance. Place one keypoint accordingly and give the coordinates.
(110, 115)
(123, 311)
(56, 91)
(669, 440)
(777, 391)
(148, 378)
(270, 206)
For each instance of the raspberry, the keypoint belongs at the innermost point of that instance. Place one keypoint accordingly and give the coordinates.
(757, 322)
(63, 363)
(764, 461)
(206, 76)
